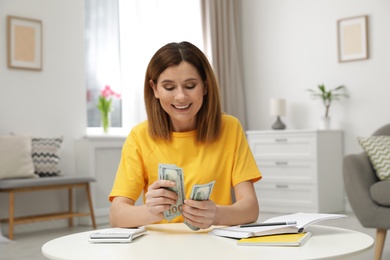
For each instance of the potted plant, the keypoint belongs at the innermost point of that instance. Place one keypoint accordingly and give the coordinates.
(327, 97)
(104, 106)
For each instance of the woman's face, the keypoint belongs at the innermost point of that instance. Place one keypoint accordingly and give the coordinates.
(180, 90)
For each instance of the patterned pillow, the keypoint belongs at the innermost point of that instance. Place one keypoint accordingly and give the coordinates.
(377, 149)
(45, 156)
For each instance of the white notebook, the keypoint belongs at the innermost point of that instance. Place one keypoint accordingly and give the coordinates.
(302, 220)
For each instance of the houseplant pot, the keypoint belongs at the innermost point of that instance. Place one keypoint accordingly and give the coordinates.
(327, 96)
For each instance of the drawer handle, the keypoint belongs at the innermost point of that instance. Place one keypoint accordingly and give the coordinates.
(281, 163)
(282, 186)
(281, 140)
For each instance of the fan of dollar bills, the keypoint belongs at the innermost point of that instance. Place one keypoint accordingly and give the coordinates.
(199, 192)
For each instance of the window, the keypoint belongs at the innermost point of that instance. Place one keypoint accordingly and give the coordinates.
(143, 27)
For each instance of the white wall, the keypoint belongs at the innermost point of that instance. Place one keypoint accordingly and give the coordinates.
(291, 45)
(50, 102)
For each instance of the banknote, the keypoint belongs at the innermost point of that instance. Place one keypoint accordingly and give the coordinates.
(173, 173)
(200, 192)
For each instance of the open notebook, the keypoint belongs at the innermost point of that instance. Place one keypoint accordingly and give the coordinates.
(302, 220)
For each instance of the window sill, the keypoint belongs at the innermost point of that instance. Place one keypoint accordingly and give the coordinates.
(113, 132)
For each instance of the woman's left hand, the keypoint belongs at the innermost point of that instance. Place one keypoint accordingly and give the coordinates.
(200, 214)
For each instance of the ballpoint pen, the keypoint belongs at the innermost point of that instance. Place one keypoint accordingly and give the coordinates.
(285, 223)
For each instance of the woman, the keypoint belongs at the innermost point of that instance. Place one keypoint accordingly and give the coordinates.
(186, 128)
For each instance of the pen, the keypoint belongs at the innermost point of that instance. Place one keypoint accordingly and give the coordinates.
(286, 223)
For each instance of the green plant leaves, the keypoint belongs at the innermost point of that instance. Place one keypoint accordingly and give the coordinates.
(327, 96)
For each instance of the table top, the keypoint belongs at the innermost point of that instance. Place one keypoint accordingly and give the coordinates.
(177, 241)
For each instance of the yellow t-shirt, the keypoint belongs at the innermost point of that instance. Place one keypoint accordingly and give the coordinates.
(227, 161)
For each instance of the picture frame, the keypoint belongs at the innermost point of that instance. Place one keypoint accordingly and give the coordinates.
(352, 38)
(24, 43)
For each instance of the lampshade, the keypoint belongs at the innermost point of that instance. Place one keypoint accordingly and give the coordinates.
(278, 107)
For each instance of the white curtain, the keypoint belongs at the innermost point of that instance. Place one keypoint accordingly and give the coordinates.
(122, 36)
(145, 26)
(102, 56)
(221, 28)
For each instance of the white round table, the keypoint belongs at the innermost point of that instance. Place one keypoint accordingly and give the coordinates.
(177, 241)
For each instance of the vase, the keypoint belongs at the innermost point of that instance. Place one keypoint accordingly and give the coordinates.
(325, 123)
(105, 121)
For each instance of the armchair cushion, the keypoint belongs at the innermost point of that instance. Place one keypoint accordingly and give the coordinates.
(380, 193)
(377, 149)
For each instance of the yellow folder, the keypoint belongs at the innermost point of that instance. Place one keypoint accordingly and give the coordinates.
(296, 239)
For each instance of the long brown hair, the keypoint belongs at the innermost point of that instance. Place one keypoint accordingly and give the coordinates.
(208, 119)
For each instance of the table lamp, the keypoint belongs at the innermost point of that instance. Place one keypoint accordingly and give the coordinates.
(278, 109)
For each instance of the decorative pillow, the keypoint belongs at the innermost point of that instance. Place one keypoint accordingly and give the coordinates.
(15, 157)
(45, 156)
(377, 149)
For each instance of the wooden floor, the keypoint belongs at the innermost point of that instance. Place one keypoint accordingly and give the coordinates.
(28, 245)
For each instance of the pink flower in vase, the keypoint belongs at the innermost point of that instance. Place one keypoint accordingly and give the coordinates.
(104, 105)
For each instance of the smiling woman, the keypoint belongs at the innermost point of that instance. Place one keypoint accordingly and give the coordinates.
(127, 38)
(186, 133)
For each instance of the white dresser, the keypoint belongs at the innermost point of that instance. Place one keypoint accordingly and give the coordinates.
(302, 170)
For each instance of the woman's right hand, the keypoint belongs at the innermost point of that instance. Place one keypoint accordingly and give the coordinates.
(159, 199)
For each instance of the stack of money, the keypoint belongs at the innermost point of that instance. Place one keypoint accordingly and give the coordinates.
(199, 192)
(173, 173)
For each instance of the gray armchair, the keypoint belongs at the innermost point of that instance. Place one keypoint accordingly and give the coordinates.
(368, 196)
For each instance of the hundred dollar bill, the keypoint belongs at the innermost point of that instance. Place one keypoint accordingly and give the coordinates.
(173, 173)
(200, 192)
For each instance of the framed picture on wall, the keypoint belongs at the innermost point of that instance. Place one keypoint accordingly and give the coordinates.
(352, 38)
(24, 43)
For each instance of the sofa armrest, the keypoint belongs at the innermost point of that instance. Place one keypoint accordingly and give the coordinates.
(359, 176)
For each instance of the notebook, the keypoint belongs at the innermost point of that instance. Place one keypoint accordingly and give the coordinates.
(297, 239)
(116, 235)
(302, 220)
